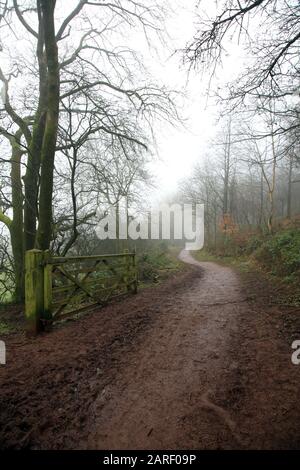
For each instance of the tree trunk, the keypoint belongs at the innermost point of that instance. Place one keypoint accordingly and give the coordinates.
(44, 232)
(261, 210)
(75, 232)
(289, 195)
(31, 179)
(16, 226)
(227, 158)
(271, 212)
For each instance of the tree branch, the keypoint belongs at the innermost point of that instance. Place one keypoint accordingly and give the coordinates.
(22, 20)
(15, 117)
(5, 219)
(69, 18)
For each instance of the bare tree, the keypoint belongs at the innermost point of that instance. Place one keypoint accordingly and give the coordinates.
(78, 68)
(270, 30)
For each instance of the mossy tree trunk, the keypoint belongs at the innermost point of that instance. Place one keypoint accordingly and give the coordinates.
(16, 226)
(31, 179)
(41, 143)
(44, 232)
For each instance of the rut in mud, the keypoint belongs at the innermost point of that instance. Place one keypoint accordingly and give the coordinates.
(196, 363)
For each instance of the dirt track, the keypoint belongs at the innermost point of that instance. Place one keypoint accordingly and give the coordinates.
(202, 361)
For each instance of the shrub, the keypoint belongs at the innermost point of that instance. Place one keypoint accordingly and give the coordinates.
(280, 254)
(156, 263)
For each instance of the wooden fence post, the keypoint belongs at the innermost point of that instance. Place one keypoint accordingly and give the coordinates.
(135, 285)
(126, 270)
(130, 268)
(47, 315)
(34, 290)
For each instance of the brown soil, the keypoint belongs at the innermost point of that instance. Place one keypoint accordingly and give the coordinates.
(202, 361)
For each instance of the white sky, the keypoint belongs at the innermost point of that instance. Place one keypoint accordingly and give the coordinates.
(180, 148)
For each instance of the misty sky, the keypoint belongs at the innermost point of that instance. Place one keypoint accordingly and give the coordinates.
(180, 148)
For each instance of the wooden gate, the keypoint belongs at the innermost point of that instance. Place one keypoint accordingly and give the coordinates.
(58, 287)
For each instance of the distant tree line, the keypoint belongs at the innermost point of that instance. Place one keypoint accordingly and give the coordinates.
(250, 177)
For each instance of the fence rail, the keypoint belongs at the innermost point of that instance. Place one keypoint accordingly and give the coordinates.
(57, 287)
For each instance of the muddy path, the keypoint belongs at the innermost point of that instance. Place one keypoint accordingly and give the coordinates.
(199, 362)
